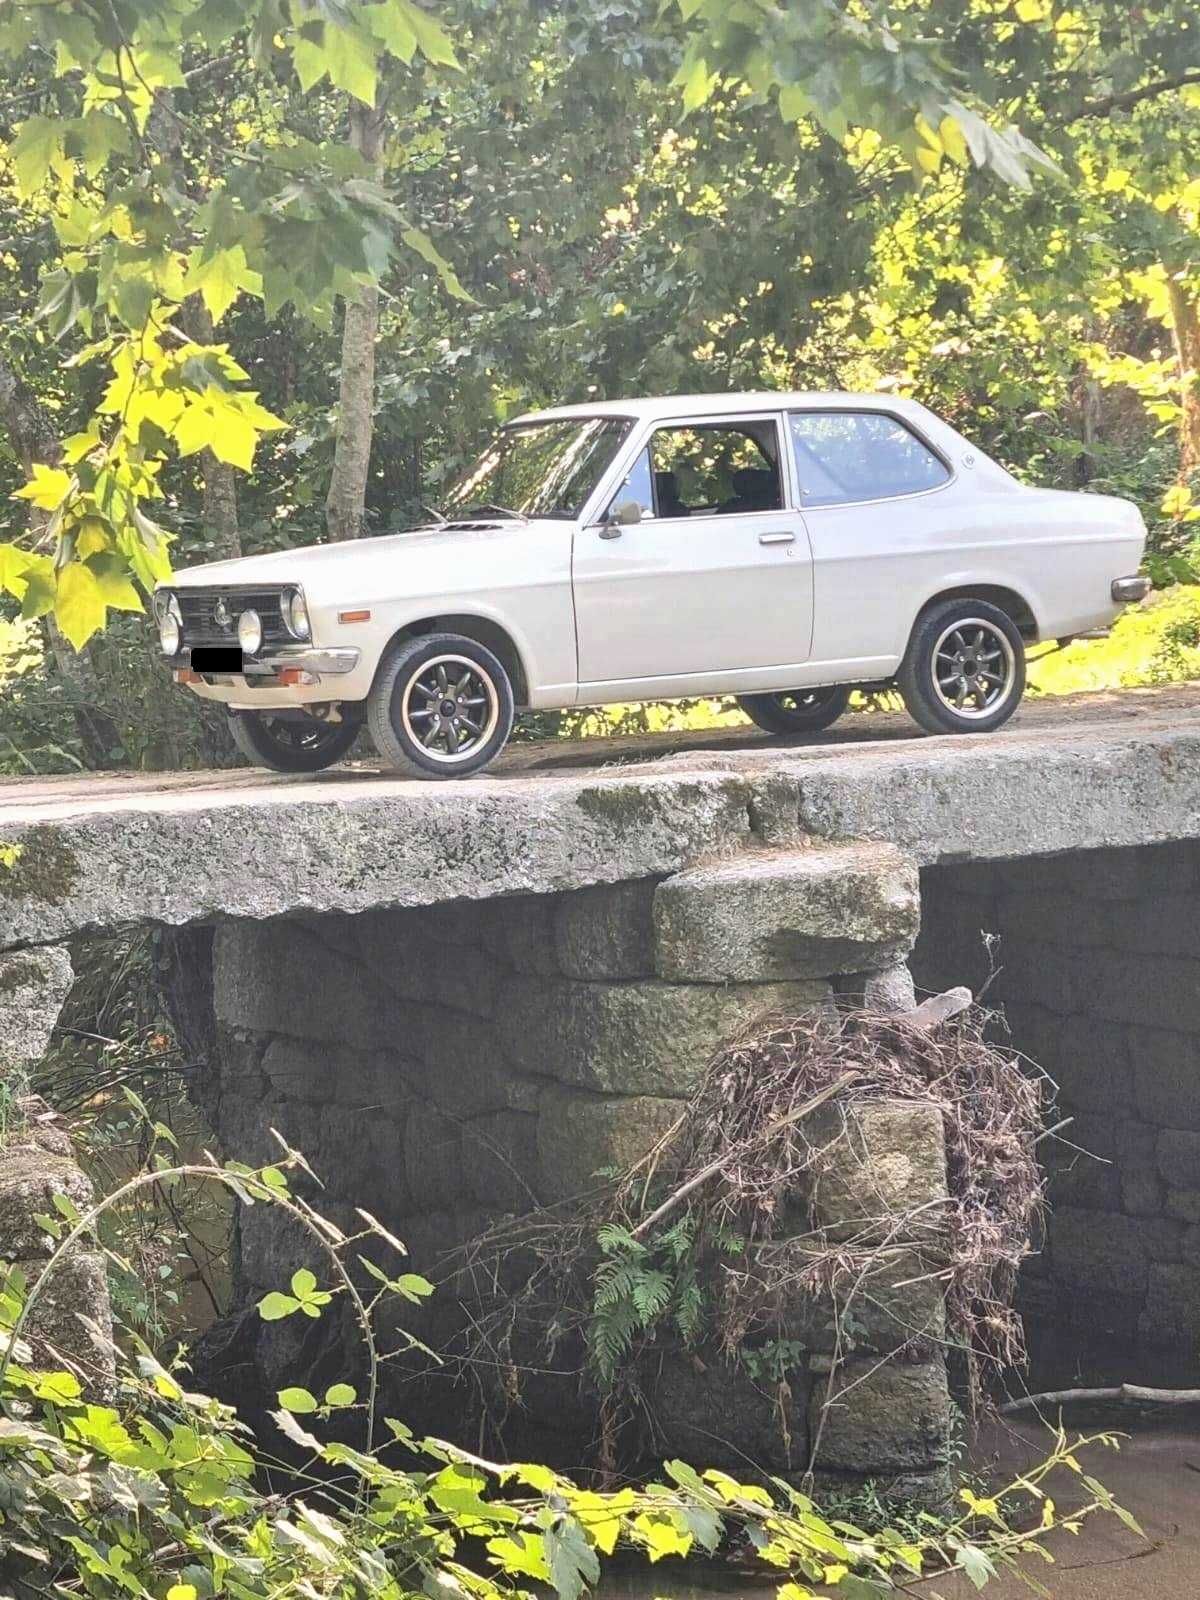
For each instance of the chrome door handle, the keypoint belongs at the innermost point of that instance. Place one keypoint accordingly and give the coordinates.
(777, 538)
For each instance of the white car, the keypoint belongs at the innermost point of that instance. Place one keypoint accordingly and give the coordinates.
(782, 548)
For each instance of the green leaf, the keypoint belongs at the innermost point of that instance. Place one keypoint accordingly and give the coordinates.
(275, 1306)
(433, 42)
(40, 588)
(350, 54)
(303, 1283)
(37, 145)
(413, 1286)
(428, 251)
(79, 606)
(340, 1394)
(298, 1400)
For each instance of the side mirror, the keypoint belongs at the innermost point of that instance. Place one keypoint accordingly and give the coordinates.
(620, 515)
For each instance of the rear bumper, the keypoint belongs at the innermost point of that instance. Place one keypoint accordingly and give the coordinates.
(1127, 590)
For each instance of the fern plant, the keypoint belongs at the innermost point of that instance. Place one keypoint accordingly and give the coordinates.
(639, 1286)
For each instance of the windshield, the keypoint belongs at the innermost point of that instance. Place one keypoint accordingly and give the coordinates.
(540, 469)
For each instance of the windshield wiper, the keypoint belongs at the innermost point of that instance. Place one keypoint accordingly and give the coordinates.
(486, 506)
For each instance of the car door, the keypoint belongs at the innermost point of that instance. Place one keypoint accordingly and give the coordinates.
(871, 489)
(711, 580)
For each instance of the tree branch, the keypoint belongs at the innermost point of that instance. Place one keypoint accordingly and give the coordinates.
(1131, 97)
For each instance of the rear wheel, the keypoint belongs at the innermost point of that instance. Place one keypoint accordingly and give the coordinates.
(796, 710)
(964, 670)
(291, 744)
(441, 706)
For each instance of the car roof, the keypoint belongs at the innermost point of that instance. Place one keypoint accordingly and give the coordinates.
(697, 405)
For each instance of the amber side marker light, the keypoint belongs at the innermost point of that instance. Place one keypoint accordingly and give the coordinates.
(354, 616)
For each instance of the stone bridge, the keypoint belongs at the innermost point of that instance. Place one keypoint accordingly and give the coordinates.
(463, 999)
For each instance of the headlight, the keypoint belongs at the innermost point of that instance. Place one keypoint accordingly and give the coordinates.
(295, 613)
(250, 632)
(170, 623)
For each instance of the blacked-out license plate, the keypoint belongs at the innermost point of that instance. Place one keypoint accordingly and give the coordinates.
(216, 658)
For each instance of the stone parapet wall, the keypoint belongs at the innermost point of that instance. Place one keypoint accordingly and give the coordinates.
(1098, 972)
(448, 1065)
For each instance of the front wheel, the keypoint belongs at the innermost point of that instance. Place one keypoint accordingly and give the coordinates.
(291, 744)
(796, 710)
(964, 670)
(441, 706)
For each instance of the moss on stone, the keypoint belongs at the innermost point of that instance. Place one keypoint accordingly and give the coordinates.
(47, 869)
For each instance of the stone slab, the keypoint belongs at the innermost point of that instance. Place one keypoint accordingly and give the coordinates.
(33, 986)
(802, 913)
(580, 1135)
(894, 1417)
(634, 1038)
(104, 852)
(880, 1167)
(29, 1180)
(606, 932)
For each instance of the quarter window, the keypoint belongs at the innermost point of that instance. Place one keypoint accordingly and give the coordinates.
(842, 456)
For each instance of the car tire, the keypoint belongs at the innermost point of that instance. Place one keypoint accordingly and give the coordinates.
(407, 709)
(796, 710)
(291, 744)
(964, 669)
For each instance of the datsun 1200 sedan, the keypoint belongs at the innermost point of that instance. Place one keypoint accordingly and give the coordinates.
(782, 548)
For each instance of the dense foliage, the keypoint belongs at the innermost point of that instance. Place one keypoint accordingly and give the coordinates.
(274, 272)
(160, 1492)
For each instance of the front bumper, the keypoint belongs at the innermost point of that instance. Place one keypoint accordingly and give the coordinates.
(1126, 590)
(313, 663)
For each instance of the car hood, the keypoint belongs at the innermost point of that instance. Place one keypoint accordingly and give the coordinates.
(354, 565)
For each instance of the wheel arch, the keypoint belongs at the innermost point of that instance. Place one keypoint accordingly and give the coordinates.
(484, 630)
(1006, 599)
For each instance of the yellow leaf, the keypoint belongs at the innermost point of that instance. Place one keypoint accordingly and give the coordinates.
(1117, 180)
(1176, 501)
(79, 607)
(1033, 10)
(234, 440)
(953, 142)
(48, 487)
(181, 1591)
(92, 538)
(112, 578)
(835, 1572)
(195, 430)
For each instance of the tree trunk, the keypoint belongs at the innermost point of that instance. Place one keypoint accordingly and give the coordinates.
(220, 485)
(34, 438)
(1186, 318)
(345, 503)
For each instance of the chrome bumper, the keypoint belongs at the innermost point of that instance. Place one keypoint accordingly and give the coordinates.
(326, 663)
(333, 663)
(1125, 590)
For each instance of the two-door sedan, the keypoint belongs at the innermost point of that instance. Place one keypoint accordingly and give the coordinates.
(783, 548)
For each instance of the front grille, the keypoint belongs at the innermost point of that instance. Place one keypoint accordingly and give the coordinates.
(197, 607)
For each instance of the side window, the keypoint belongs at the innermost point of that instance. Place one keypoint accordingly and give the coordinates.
(637, 486)
(717, 470)
(843, 456)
